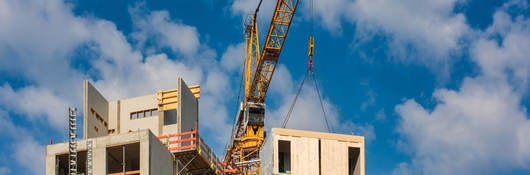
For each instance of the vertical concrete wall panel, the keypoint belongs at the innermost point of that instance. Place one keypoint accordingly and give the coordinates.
(160, 160)
(93, 100)
(187, 111)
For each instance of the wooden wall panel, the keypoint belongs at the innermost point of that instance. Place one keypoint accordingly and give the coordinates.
(334, 157)
(304, 156)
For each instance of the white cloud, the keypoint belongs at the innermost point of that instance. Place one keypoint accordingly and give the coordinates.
(327, 13)
(26, 149)
(157, 72)
(462, 134)
(213, 107)
(511, 55)
(4, 170)
(158, 26)
(481, 128)
(245, 8)
(35, 102)
(426, 32)
(22, 145)
(232, 59)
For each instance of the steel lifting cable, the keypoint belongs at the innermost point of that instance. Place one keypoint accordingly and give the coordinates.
(327, 92)
(321, 103)
(310, 72)
(286, 119)
(311, 75)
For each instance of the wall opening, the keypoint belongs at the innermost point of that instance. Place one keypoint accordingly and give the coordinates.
(61, 163)
(284, 156)
(170, 117)
(353, 161)
(116, 161)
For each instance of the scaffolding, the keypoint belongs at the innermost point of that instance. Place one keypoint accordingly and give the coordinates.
(89, 166)
(72, 132)
(192, 154)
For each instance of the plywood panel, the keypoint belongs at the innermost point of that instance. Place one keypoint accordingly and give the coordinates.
(304, 156)
(334, 157)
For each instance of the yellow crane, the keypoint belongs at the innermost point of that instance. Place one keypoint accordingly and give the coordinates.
(248, 133)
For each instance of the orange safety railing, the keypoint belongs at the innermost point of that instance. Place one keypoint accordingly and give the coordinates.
(180, 141)
(188, 141)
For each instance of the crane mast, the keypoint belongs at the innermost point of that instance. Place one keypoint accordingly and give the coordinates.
(248, 133)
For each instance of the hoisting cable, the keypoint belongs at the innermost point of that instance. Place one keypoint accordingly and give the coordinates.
(311, 73)
(286, 119)
(321, 103)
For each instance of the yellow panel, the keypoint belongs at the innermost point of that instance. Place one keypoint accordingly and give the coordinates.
(168, 99)
(196, 90)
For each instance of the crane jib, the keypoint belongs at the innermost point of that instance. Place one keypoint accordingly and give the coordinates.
(278, 30)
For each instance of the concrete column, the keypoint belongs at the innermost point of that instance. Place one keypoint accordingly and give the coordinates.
(50, 164)
(99, 157)
(144, 154)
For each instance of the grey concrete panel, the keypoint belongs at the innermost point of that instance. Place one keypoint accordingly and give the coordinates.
(160, 159)
(188, 108)
(93, 100)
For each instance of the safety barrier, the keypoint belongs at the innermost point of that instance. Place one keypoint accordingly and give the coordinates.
(190, 140)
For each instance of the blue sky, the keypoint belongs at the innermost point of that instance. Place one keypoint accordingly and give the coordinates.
(436, 87)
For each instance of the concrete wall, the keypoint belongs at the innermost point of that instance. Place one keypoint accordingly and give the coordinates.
(160, 159)
(154, 157)
(114, 120)
(93, 100)
(170, 129)
(137, 104)
(188, 107)
(116, 116)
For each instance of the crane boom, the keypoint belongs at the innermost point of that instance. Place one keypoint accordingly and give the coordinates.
(248, 132)
(266, 63)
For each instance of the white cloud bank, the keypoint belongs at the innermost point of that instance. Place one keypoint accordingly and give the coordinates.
(417, 31)
(41, 50)
(482, 127)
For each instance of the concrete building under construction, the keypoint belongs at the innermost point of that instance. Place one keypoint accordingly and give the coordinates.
(152, 134)
(158, 134)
